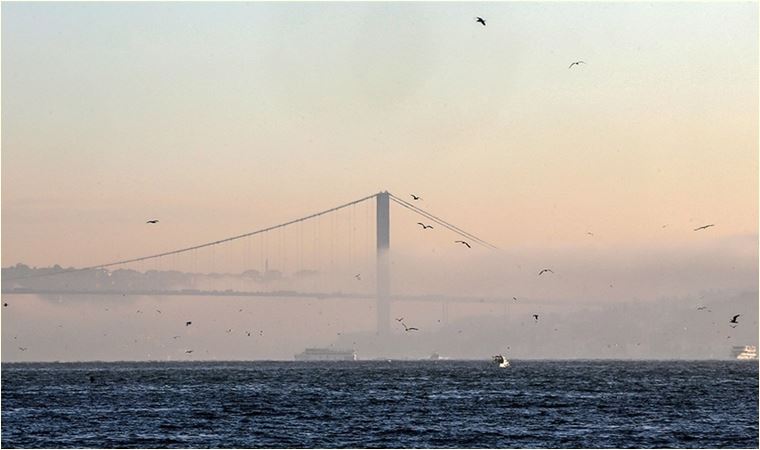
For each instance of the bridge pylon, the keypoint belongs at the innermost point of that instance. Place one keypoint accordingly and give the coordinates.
(383, 287)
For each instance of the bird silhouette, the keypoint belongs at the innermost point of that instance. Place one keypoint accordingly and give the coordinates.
(704, 227)
(5, 305)
(701, 308)
(514, 298)
(188, 323)
(152, 221)
(589, 233)
(733, 319)
(416, 197)
(188, 351)
(399, 319)
(576, 63)
(358, 276)
(463, 242)
(406, 328)
(535, 316)
(424, 226)
(23, 349)
(545, 270)
(481, 20)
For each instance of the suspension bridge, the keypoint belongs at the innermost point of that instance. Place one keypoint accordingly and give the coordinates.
(383, 296)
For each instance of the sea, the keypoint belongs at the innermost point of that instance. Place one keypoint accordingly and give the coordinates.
(381, 404)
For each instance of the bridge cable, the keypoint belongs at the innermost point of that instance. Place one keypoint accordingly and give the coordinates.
(443, 223)
(195, 247)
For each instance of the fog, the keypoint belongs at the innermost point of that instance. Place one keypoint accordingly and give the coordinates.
(599, 303)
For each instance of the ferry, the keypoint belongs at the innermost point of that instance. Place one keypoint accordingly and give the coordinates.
(744, 352)
(326, 354)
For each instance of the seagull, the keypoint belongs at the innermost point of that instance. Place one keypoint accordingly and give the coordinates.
(576, 63)
(229, 330)
(416, 197)
(701, 308)
(514, 298)
(535, 316)
(188, 323)
(589, 233)
(704, 226)
(406, 328)
(463, 242)
(152, 221)
(158, 311)
(424, 226)
(188, 351)
(733, 320)
(23, 349)
(358, 276)
(399, 319)
(480, 20)
(545, 270)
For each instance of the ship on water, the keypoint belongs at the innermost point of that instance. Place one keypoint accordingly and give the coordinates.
(744, 352)
(326, 354)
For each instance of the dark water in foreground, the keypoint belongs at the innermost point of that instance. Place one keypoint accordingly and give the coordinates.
(381, 404)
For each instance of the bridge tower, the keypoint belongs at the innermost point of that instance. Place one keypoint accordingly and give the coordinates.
(383, 263)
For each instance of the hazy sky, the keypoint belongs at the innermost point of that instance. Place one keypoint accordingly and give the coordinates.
(223, 118)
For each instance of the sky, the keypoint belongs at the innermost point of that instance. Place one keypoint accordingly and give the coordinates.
(223, 118)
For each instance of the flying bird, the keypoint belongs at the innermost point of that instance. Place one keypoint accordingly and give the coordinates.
(589, 233)
(416, 197)
(424, 226)
(545, 270)
(406, 328)
(5, 305)
(535, 316)
(463, 242)
(514, 298)
(188, 351)
(701, 308)
(704, 226)
(152, 221)
(576, 63)
(481, 20)
(158, 311)
(23, 349)
(358, 276)
(188, 323)
(733, 319)
(399, 319)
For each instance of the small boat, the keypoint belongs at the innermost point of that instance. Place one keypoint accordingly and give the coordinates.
(501, 361)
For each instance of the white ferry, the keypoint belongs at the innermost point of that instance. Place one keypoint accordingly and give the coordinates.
(326, 354)
(744, 352)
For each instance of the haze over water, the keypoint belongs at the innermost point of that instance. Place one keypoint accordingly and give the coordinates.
(220, 119)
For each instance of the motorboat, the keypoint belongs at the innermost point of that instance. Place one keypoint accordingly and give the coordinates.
(501, 361)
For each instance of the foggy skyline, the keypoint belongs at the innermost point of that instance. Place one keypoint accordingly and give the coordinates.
(222, 118)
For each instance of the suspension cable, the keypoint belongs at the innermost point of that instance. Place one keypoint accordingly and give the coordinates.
(195, 247)
(443, 223)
